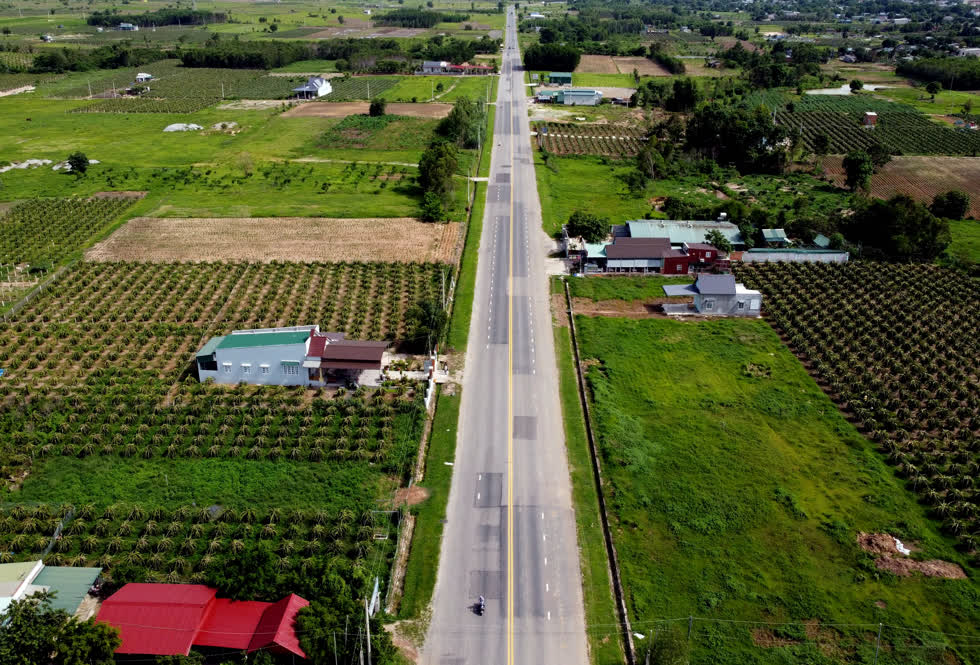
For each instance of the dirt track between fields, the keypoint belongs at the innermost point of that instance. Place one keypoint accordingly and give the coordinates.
(344, 109)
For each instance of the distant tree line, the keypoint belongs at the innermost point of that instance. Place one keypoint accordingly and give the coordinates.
(953, 73)
(246, 55)
(418, 18)
(112, 56)
(673, 65)
(775, 68)
(554, 57)
(110, 18)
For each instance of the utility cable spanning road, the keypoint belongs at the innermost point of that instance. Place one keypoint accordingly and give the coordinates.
(510, 534)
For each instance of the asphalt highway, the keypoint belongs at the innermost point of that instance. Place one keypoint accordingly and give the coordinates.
(510, 529)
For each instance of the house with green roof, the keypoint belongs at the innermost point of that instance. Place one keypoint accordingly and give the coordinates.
(288, 356)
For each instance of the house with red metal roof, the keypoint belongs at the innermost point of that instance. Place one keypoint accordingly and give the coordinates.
(288, 356)
(169, 619)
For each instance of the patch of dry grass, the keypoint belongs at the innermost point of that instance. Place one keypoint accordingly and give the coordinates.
(266, 239)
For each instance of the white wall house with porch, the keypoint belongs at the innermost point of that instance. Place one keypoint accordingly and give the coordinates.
(718, 295)
(288, 356)
(313, 88)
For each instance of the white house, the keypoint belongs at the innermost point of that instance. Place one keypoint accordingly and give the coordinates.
(719, 295)
(289, 356)
(128, 27)
(581, 97)
(143, 77)
(313, 88)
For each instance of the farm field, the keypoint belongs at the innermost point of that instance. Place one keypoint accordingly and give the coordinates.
(902, 128)
(344, 109)
(67, 225)
(570, 185)
(360, 88)
(264, 240)
(966, 240)
(919, 177)
(596, 64)
(580, 139)
(737, 493)
(135, 442)
(603, 80)
(901, 366)
(643, 66)
(424, 88)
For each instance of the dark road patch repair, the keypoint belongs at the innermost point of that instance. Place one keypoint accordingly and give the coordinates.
(525, 427)
(490, 534)
(501, 178)
(522, 332)
(487, 583)
(489, 490)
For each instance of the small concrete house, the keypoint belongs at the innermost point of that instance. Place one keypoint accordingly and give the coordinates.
(775, 237)
(435, 67)
(143, 77)
(129, 27)
(870, 119)
(580, 97)
(289, 356)
(718, 295)
(313, 88)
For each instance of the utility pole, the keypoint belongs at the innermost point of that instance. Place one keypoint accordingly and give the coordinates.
(367, 623)
(877, 644)
(335, 647)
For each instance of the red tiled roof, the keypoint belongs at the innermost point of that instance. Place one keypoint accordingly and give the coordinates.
(231, 623)
(638, 248)
(275, 629)
(168, 619)
(157, 619)
(700, 245)
(335, 352)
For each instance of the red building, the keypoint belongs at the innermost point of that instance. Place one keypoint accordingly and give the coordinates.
(169, 619)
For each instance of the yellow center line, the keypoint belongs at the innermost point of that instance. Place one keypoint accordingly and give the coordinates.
(510, 403)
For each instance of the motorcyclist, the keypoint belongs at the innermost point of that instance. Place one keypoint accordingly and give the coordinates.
(482, 604)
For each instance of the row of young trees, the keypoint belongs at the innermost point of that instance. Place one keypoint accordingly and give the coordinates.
(462, 128)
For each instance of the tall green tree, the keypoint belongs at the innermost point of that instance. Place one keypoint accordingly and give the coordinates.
(248, 575)
(437, 167)
(78, 163)
(718, 240)
(464, 124)
(951, 205)
(33, 633)
(900, 229)
(858, 169)
(590, 227)
(425, 322)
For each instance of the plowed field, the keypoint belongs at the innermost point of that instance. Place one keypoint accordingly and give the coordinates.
(920, 177)
(160, 240)
(597, 64)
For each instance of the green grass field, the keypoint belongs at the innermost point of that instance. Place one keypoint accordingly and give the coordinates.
(737, 491)
(309, 66)
(425, 88)
(625, 287)
(572, 186)
(600, 609)
(946, 102)
(966, 239)
(603, 80)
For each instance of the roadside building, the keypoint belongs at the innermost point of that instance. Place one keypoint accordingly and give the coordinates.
(718, 295)
(794, 255)
(25, 578)
(560, 78)
(128, 27)
(775, 237)
(644, 254)
(313, 88)
(289, 356)
(580, 97)
(680, 232)
(169, 619)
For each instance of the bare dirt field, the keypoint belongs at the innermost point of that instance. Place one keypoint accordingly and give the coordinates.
(597, 64)
(344, 109)
(643, 66)
(266, 239)
(920, 177)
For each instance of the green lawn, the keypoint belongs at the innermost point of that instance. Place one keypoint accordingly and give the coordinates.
(600, 609)
(425, 88)
(420, 573)
(966, 239)
(234, 483)
(603, 80)
(625, 287)
(584, 183)
(309, 66)
(737, 491)
(947, 101)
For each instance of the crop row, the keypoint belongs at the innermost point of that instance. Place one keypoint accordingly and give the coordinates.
(901, 133)
(43, 231)
(895, 345)
(359, 88)
(147, 320)
(572, 139)
(182, 543)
